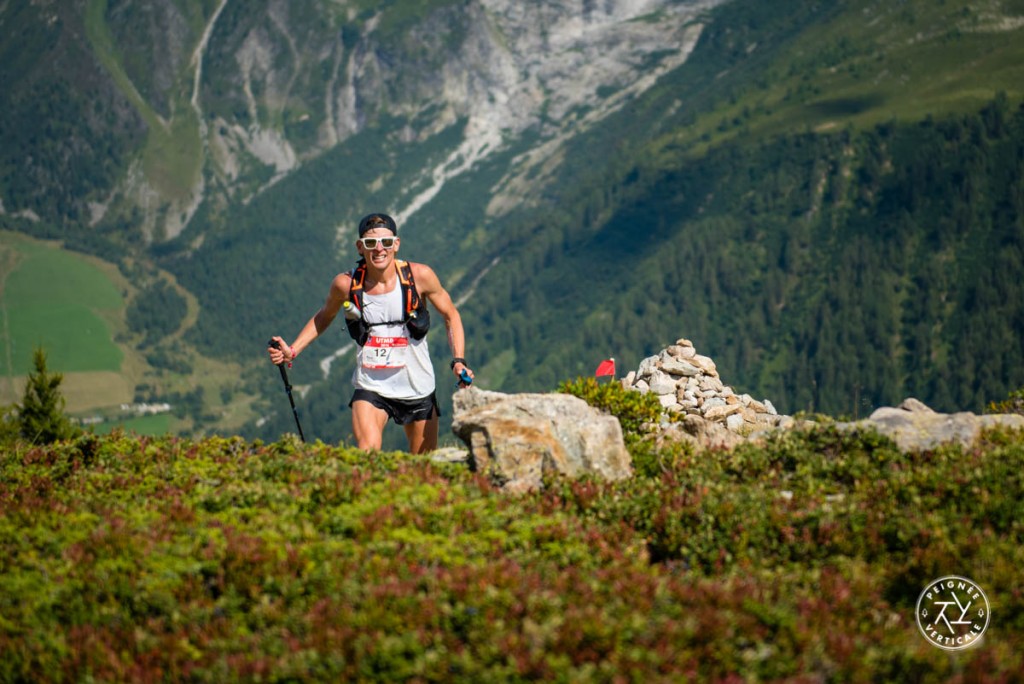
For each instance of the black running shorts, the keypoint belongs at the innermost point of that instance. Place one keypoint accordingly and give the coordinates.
(402, 412)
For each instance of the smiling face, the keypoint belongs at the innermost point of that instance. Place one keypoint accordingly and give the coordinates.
(378, 255)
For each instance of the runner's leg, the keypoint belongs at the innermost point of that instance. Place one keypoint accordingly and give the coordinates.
(422, 435)
(368, 423)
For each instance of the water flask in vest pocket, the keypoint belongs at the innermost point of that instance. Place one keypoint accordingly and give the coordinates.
(418, 323)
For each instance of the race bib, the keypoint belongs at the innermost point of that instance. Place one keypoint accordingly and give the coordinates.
(385, 352)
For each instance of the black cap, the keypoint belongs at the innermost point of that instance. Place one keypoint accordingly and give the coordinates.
(371, 221)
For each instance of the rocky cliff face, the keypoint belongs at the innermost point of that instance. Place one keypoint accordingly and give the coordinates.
(237, 95)
(503, 66)
(299, 86)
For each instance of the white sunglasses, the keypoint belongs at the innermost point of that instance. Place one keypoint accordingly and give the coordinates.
(371, 242)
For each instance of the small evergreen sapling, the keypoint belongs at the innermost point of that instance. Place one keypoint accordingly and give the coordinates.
(41, 418)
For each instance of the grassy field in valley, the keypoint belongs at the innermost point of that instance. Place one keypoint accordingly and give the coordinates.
(68, 305)
(73, 306)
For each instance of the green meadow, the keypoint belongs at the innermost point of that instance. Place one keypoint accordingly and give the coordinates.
(870, 64)
(143, 425)
(57, 300)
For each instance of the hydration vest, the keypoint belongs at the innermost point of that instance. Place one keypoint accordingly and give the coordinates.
(416, 318)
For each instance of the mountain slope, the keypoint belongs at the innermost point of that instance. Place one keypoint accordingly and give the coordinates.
(818, 265)
(826, 270)
(589, 180)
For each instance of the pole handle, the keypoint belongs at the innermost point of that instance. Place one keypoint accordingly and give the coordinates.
(288, 390)
(284, 374)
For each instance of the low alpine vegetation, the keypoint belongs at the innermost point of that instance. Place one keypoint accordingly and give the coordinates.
(128, 558)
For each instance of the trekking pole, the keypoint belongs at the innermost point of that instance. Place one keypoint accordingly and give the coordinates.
(288, 389)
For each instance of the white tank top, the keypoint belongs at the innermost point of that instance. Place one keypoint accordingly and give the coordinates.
(391, 363)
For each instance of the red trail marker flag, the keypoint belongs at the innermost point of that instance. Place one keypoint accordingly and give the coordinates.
(606, 367)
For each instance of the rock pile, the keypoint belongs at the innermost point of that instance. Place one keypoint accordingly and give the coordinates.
(687, 382)
(715, 416)
(916, 427)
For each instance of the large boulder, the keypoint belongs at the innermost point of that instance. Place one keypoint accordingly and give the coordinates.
(516, 438)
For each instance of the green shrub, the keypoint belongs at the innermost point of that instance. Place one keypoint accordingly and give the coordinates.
(639, 415)
(636, 412)
(1014, 403)
(651, 459)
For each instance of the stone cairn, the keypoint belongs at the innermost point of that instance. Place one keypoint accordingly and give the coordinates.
(715, 416)
(687, 382)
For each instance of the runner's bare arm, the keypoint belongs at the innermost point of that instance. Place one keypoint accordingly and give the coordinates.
(321, 320)
(429, 286)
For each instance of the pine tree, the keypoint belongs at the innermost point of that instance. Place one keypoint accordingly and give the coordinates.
(41, 416)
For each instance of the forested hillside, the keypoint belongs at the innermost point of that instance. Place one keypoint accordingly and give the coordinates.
(819, 270)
